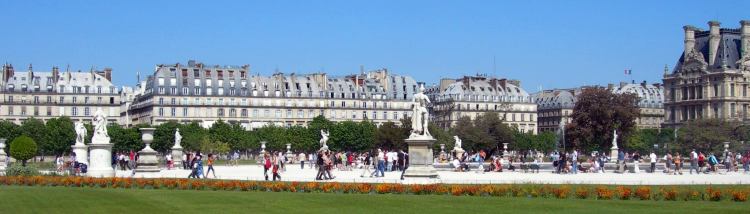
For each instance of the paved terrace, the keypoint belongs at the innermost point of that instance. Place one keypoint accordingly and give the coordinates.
(294, 173)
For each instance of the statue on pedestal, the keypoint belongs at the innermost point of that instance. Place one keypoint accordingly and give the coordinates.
(100, 128)
(177, 139)
(80, 133)
(614, 140)
(324, 139)
(420, 117)
(458, 143)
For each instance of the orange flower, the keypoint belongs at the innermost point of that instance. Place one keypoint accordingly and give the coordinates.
(739, 195)
(644, 193)
(624, 193)
(582, 192)
(603, 193)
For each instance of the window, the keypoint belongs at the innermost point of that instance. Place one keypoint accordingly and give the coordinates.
(86, 100)
(278, 113)
(161, 101)
(243, 113)
(716, 90)
(174, 101)
(62, 99)
(86, 111)
(288, 113)
(220, 112)
(161, 90)
(73, 111)
(173, 112)
(161, 111)
(255, 112)
(184, 112)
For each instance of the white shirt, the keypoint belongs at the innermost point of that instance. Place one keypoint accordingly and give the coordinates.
(169, 157)
(381, 156)
(653, 157)
(301, 156)
(694, 155)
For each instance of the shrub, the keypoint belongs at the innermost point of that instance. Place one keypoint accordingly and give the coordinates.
(561, 192)
(624, 193)
(23, 148)
(669, 194)
(604, 193)
(15, 170)
(643, 193)
(582, 192)
(713, 194)
(739, 195)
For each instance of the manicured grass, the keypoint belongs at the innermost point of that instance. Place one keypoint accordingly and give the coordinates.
(22, 199)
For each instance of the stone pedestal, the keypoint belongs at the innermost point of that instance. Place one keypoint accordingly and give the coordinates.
(177, 156)
(147, 161)
(420, 158)
(101, 160)
(613, 154)
(82, 153)
(3, 156)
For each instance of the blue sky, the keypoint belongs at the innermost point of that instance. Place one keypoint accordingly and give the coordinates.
(545, 44)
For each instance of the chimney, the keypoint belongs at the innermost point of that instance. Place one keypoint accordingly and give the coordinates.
(713, 41)
(445, 82)
(643, 83)
(745, 31)
(689, 38)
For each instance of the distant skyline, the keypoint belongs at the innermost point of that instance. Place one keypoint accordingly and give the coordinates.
(547, 44)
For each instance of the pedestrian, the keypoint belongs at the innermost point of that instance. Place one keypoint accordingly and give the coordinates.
(168, 158)
(621, 162)
(366, 165)
(677, 163)
(276, 164)
(636, 162)
(653, 159)
(321, 166)
(210, 163)
(381, 163)
(574, 160)
(266, 165)
(712, 161)
(302, 158)
(405, 160)
(746, 162)
(694, 162)
(701, 162)
(185, 160)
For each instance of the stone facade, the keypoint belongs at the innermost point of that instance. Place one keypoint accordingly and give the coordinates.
(710, 79)
(651, 103)
(555, 107)
(474, 95)
(52, 94)
(206, 93)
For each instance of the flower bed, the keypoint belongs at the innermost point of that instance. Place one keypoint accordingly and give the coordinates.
(711, 193)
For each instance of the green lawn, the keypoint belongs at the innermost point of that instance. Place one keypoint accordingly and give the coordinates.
(21, 199)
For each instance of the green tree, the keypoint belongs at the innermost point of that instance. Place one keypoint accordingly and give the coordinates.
(23, 148)
(192, 136)
(61, 134)
(125, 139)
(164, 136)
(545, 141)
(9, 131)
(442, 137)
(35, 129)
(704, 135)
(390, 136)
(597, 113)
(209, 146)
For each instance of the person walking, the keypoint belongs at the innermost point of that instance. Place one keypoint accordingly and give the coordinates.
(636, 162)
(266, 164)
(712, 161)
(746, 162)
(277, 161)
(574, 160)
(667, 163)
(210, 163)
(694, 162)
(701, 162)
(302, 158)
(621, 162)
(321, 166)
(653, 160)
(366, 164)
(405, 159)
(168, 158)
(677, 163)
(381, 163)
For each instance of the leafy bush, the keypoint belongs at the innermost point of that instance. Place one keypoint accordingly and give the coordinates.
(23, 148)
(16, 170)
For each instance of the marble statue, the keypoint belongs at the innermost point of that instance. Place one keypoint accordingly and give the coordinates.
(324, 139)
(177, 138)
(100, 128)
(420, 115)
(80, 133)
(614, 140)
(458, 142)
